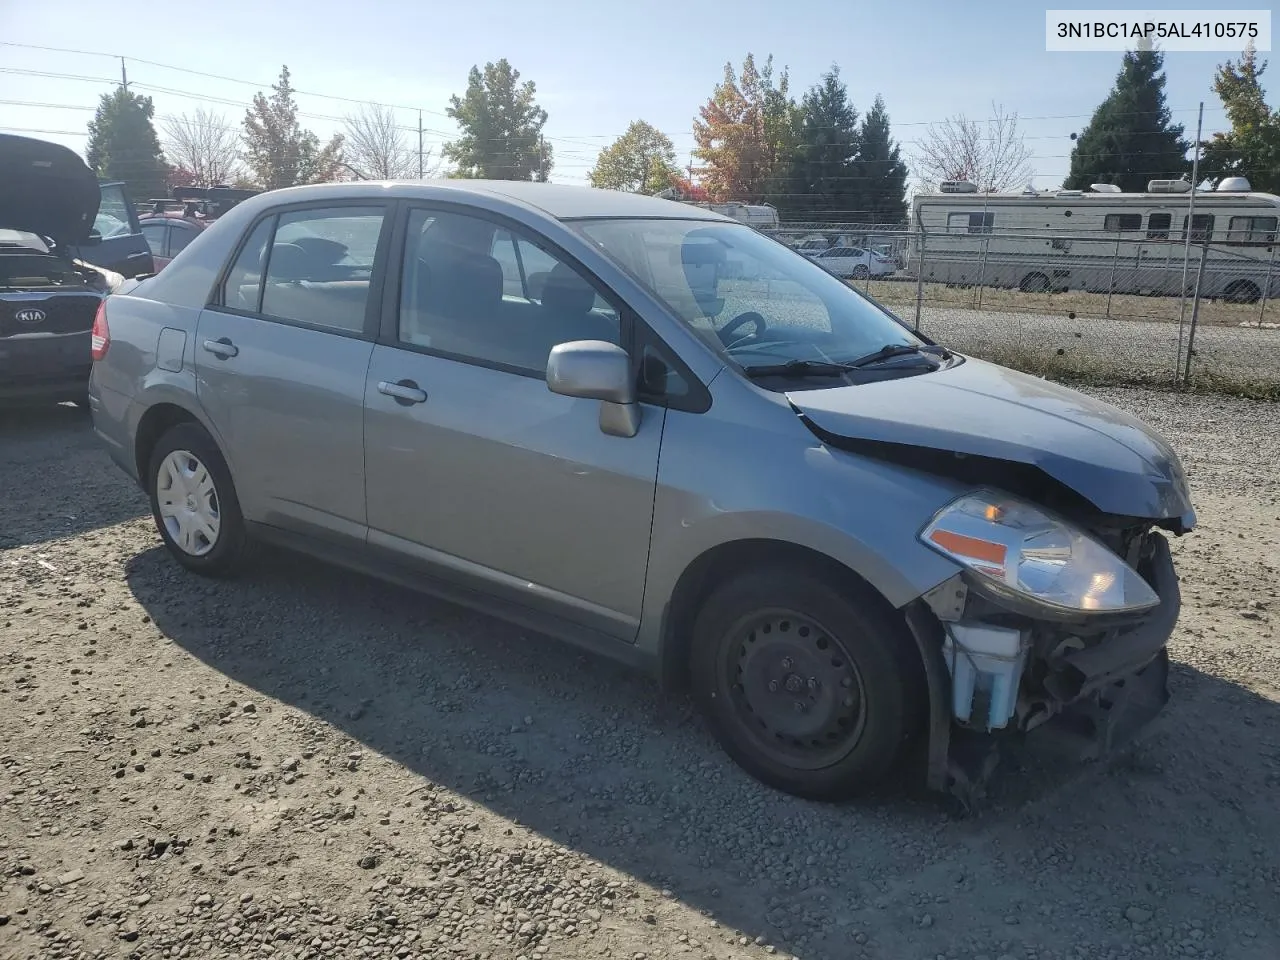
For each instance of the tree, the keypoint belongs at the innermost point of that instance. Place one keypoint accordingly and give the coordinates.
(880, 176)
(743, 132)
(1252, 147)
(501, 125)
(1130, 138)
(689, 190)
(376, 146)
(642, 160)
(822, 184)
(123, 144)
(278, 150)
(205, 146)
(994, 155)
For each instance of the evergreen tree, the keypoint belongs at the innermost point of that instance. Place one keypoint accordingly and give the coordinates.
(278, 151)
(827, 142)
(123, 144)
(1131, 138)
(1252, 147)
(881, 176)
(501, 125)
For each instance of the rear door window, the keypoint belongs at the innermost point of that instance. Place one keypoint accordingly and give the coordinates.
(155, 233)
(180, 234)
(115, 216)
(319, 268)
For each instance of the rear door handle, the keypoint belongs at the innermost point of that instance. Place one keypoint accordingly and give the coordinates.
(405, 392)
(222, 347)
(135, 256)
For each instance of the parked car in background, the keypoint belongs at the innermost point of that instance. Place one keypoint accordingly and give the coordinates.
(116, 242)
(49, 201)
(550, 403)
(167, 232)
(169, 224)
(854, 262)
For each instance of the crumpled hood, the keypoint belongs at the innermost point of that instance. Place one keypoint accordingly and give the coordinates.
(46, 189)
(1102, 453)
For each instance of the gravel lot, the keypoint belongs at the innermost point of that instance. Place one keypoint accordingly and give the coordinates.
(310, 764)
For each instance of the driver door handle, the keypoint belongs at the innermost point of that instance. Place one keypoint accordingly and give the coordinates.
(222, 347)
(405, 392)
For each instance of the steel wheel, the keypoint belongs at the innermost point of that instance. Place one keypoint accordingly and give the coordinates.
(188, 503)
(795, 688)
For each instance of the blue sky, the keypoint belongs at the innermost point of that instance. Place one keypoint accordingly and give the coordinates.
(598, 65)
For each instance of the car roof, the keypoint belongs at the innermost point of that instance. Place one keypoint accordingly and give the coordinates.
(558, 200)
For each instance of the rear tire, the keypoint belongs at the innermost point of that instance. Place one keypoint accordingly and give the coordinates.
(1242, 291)
(807, 685)
(1034, 283)
(860, 272)
(194, 503)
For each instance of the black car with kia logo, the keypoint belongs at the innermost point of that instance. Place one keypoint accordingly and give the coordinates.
(49, 297)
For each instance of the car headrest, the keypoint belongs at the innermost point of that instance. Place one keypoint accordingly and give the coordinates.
(288, 262)
(566, 292)
(464, 283)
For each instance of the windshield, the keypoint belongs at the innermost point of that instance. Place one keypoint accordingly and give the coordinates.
(753, 299)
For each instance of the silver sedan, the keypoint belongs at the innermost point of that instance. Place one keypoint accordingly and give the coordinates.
(561, 406)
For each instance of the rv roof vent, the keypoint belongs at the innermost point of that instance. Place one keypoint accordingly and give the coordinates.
(1070, 193)
(958, 186)
(1104, 188)
(1234, 185)
(1169, 186)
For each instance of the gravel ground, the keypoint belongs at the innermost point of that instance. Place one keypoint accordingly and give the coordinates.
(310, 764)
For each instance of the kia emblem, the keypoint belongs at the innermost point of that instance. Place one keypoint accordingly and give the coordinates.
(30, 316)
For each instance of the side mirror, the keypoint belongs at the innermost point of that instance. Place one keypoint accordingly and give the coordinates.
(596, 370)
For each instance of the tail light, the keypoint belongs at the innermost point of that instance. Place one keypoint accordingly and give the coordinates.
(100, 339)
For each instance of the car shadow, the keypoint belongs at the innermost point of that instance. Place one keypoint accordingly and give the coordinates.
(56, 479)
(594, 757)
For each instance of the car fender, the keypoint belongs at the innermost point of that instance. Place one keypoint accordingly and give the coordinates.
(721, 482)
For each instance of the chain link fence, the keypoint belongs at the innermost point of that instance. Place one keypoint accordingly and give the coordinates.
(1145, 306)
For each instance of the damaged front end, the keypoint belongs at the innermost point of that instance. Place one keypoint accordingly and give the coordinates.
(1075, 658)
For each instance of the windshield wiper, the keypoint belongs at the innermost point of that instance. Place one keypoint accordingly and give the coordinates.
(798, 368)
(891, 350)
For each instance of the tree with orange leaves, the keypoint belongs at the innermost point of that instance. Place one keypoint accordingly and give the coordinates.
(744, 132)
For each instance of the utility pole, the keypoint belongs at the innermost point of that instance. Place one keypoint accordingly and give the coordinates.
(419, 144)
(124, 76)
(1186, 241)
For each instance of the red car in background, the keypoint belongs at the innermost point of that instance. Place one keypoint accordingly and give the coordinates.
(171, 224)
(168, 231)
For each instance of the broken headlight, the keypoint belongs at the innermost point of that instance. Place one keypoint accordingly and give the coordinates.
(1019, 550)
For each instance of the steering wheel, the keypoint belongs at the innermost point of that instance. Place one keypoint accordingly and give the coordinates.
(742, 319)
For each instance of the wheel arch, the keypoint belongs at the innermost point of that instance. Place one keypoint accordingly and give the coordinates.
(718, 564)
(152, 425)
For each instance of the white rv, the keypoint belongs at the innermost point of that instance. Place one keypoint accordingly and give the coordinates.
(1100, 240)
(762, 216)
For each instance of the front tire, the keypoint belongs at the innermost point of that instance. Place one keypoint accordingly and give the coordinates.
(807, 685)
(860, 272)
(194, 504)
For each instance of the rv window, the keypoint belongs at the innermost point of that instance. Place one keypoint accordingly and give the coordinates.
(970, 222)
(1122, 221)
(1201, 227)
(1251, 230)
(1158, 225)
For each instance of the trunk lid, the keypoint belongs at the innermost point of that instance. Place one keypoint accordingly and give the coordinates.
(46, 189)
